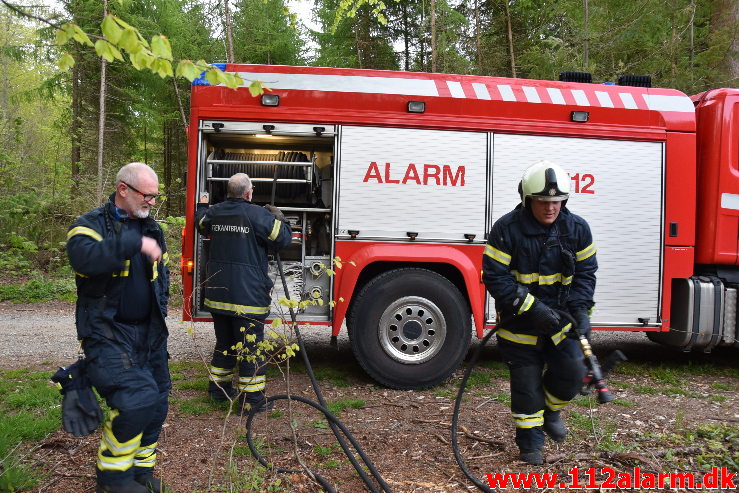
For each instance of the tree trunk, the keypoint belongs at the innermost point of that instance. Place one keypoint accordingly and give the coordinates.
(478, 47)
(179, 103)
(586, 37)
(101, 121)
(421, 36)
(725, 32)
(406, 38)
(510, 39)
(433, 35)
(75, 131)
(229, 32)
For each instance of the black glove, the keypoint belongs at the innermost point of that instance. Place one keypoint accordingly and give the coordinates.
(275, 212)
(582, 324)
(542, 318)
(81, 413)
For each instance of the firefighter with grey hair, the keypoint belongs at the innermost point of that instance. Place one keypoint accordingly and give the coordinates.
(539, 262)
(237, 287)
(120, 257)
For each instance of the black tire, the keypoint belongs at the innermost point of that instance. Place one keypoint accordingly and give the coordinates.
(409, 328)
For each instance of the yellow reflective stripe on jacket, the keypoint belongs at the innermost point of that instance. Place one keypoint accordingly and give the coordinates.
(525, 278)
(518, 338)
(559, 336)
(155, 266)
(527, 302)
(83, 230)
(125, 271)
(497, 255)
(535, 277)
(529, 420)
(275, 230)
(237, 309)
(586, 252)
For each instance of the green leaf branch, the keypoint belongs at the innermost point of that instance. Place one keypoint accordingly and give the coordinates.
(119, 37)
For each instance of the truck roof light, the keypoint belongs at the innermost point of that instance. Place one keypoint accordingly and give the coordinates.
(580, 116)
(270, 99)
(570, 76)
(416, 107)
(634, 80)
(268, 129)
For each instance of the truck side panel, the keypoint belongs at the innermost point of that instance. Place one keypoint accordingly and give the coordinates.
(618, 188)
(393, 181)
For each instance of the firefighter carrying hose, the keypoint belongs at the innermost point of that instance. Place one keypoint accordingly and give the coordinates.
(237, 288)
(540, 258)
(120, 258)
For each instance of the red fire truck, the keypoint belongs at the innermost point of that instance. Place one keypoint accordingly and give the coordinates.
(399, 176)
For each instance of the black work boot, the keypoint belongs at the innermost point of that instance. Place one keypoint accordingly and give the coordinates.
(128, 487)
(152, 483)
(554, 427)
(254, 400)
(223, 394)
(533, 457)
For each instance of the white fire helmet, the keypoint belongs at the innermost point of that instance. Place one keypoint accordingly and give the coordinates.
(544, 180)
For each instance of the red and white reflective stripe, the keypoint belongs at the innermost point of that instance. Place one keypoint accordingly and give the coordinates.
(597, 96)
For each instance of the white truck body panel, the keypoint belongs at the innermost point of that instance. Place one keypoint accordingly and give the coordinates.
(624, 212)
(439, 208)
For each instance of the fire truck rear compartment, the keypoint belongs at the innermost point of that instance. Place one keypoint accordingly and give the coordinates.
(295, 173)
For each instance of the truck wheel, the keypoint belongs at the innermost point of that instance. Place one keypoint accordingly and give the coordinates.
(409, 328)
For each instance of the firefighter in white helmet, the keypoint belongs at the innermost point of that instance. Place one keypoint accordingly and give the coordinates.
(540, 259)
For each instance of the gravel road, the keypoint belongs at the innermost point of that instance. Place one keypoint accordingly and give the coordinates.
(36, 333)
(39, 332)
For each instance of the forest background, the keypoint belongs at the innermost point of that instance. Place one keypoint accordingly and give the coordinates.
(65, 131)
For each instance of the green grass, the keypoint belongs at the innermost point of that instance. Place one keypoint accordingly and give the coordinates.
(200, 385)
(497, 368)
(197, 406)
(337, 407)
(479, 378)
(333, 375)
(673, 372)
(253, 478)
(722, 386)
(29, 410)
(621, 402)
(323, 451)
(39, 290)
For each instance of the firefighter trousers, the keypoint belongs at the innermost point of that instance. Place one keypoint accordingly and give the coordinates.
(134, 380)
(230, 332)
(544, 377)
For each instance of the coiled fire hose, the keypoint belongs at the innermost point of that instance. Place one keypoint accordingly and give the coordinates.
(336, 425)
(595, 378)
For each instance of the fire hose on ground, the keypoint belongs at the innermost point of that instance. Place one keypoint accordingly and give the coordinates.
(595, 378)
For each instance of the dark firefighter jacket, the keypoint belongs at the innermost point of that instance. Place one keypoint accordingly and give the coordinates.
(99, 250)
(525, 260)
(237, 283)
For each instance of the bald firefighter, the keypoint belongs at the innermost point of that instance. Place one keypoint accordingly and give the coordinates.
(237, 288)
(540, 259)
